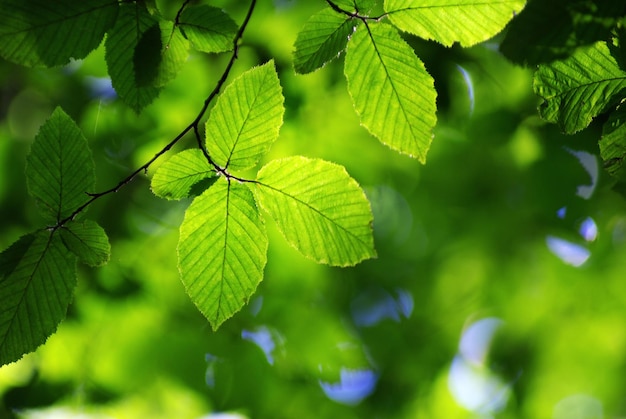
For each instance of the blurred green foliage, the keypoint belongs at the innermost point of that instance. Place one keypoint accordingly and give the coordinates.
(497, 291)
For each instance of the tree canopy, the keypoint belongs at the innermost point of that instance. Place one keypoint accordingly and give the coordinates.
(348, 208)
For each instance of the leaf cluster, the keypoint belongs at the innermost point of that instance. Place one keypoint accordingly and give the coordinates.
(222, 251)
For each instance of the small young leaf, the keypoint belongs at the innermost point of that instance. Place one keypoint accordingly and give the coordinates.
(322, 39)
(319, 208)
(579, 88)
(246, 119)
(175, 178)
(613, 143)
(222, 250)
(208, 28)
(391, 90)
(121, 45)
(37, 279)
(550, 30)
(45, 33)
(447, 21)
(88, 241)
(59, 169)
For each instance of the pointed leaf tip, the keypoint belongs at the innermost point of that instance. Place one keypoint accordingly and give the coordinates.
(391, 90)
(222, 250)
(59, 168)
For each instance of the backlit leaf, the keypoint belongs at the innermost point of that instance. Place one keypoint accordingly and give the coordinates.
(392, 92)
(447, 21)
(246, 118)
(319, 208)
(121, 48)
(88, 241)
(222, 250)
(579, 88)
(323, 37)
(208, 28)
(176, 178)
(46, 33)
(59, 168)
(37, 279)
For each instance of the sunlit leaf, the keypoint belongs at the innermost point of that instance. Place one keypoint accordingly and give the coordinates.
(121, 48)
(176, 178)
(208, 28)
(319, 208)
(323, 37)
(391, 90)
(37, 279)
(59, 168)
(579, 88)
(246, 118)
(549, 30)
(447, 21)
(45, 33)
(222, 250)
(88, 241)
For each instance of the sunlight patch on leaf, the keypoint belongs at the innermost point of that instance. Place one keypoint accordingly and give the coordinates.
(37, 279)
(579, 88)
(45, 33)
(319, 208)
(175, 178)
(447, 21)
(59, 168)
(391, 90)
(222, 250)
(323, 37)
(246, 119)
(208, 28)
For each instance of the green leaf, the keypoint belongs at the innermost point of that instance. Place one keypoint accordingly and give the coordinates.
(391, 90)
(579, 88)
(88, 241)
(222, 250)
(176, 178)
(549, 30)
(37, 279)
(208, 28)
(44, 33)
(59, 168)
(613, 143)
(159, 55)
(323, 37)
(319, 208)
(121, 48)
(246, 119)
(447, 21)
